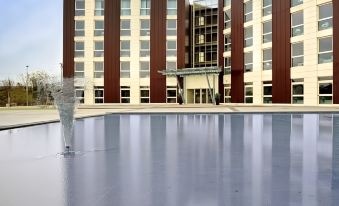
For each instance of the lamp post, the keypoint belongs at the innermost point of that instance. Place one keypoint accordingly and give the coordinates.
(27, 86)
(62, 69)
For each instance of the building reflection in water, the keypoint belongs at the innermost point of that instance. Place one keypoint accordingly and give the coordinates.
(195, 159)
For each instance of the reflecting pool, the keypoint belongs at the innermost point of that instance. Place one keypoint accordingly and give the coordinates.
(179, 160)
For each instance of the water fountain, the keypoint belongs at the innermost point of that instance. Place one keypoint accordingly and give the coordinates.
(66, 103)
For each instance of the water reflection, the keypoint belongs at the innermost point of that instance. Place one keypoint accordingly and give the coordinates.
(176, 160)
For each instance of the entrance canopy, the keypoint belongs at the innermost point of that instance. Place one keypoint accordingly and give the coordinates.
(191, 71)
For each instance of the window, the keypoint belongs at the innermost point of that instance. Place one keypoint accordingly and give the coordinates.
(98, 49)
(267, 85)
(200, 39)
(99, 8)
(99, 28)
(267, 32)
(325, 16)
(227, 69)
(248, 7)
(267, 59)
(325, 90)
(125, 94)
(144, 27)
(248, 92)
(228, 19)
(125, 27)
(125, 69)
(99, 95)
(325, 54)
(267, 7)
(79, 49)
(172, 7)
(227, 3)
(249, 36)
(298, 91)
(79, 69)
(201, 57)
(98, 69)
(125, 7)
(79, 7)
(296, 2)
(171, 65)
(199, 21)
(144, 94)
(248, 61)
(79, 28)
(228, 43)
(171, 94)
(125, 48)
(297, 54)
(227, 93)
(145, 7)
(297, 23)
(144, 69)
(144, 48)
(171, 48)
(171, 27)
(80, 94)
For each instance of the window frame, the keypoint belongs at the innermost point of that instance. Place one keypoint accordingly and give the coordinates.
(325, 95)
(125, 11)
(79, 32)
(248, 67)
(128, 99)
(144, 73)
(99, 99)
(125, 31)
(145, 88)
(99, 11)
(79, 74)
(125, 52)
(295, 27)
(125, 73)
(227, 92)
(249, 15)
(325, 52)
(267, 62)
(98, 74)
(296, 82)
(145, 9)
(265, 96)
(326, 18)
(79, 53)
(267, 34)
(297, 56)
(99, 52)
(248, 41)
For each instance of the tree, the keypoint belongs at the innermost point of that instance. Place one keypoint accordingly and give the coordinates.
(40, 82)
(7, 86)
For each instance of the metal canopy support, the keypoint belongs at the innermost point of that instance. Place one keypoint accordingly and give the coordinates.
(209, 89)
(181, 91)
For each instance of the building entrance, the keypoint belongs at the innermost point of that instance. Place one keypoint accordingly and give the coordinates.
(199, 96)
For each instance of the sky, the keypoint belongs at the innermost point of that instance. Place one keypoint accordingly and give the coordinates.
(30, 34)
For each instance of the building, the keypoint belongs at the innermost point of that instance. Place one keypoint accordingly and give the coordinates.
(270, 51)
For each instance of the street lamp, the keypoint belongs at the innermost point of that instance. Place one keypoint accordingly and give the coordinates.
(27, 86)
(62, 69)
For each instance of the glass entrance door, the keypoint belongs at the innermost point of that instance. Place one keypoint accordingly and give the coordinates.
(202, 96)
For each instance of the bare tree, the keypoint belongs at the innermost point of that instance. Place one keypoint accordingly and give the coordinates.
(8, 85)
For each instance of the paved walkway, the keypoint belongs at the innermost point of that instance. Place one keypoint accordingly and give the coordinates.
(22, 116)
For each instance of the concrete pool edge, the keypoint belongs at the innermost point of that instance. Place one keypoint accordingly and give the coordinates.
(51, 121)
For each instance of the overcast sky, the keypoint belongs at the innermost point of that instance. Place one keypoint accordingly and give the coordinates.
(30, 34)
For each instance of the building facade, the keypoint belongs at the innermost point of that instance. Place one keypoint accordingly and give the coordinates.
(270, 51)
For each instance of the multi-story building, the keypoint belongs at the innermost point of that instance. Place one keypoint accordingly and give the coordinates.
(270, 51)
